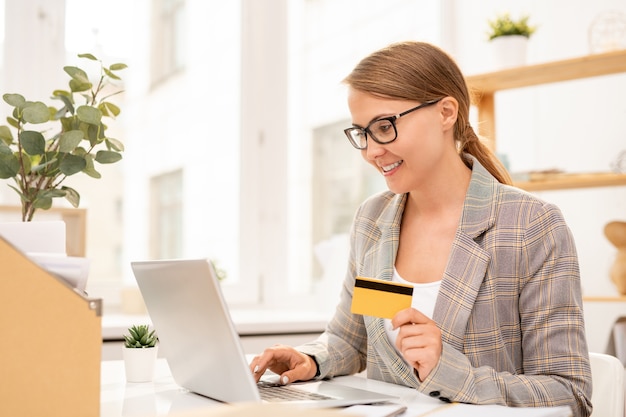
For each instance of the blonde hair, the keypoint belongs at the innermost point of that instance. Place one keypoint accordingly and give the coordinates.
(421, 72)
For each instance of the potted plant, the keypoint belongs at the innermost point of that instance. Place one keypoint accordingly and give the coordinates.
(140, 353)
(509, 38)
(72, 140)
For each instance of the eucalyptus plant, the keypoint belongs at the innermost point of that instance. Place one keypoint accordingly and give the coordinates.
(505, 25)
(73, 138)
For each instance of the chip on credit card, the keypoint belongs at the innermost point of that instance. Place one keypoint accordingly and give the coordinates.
(379, 298)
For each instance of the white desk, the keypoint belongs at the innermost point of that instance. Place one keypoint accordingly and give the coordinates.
(163, 397)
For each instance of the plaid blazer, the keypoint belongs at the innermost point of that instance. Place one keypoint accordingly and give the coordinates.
(509, 307)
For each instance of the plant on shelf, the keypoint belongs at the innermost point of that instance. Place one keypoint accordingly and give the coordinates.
(140, 336)
(504, 25)
(72, 140)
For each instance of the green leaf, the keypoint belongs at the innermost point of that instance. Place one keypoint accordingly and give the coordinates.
(47, 168)
(93, 133)
(78, 86)
(61, 93)
(36, 112)
(13, 122)
(88, 56)
(77, 74)
(72, 196)
(52, 193)
(43, 203)
(111, 74)
(118, 66)
(6, 136)
(80, 151)
(9, 166)
(26, 162)
(114, 144)
(48, 165)
(32, 142)
(15, 100)
(70, 140)
(109, 109)
(107, 157)
(71, 164)
(5, 149)
(89, 115)
(90, 169)
(67, 99)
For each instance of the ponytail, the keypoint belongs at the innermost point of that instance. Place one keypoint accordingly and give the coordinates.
(471, 144)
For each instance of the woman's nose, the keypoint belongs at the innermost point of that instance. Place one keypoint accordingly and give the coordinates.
(373, 150)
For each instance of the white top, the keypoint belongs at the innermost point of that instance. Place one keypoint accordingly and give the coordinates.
(424, 297)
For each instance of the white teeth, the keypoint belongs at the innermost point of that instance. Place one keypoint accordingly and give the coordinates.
(388, 168)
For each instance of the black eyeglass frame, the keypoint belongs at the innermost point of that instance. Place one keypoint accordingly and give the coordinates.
(392, 119)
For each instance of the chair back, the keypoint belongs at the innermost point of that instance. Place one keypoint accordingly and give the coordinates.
(607, 374)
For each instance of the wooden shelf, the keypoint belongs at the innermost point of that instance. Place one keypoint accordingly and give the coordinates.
(549, 72)
(569, 181)
(484, 86)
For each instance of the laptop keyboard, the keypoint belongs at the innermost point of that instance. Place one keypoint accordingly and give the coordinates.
(272, 392)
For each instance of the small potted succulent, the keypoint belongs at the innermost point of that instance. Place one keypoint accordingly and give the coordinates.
(140, 353)
(509, 38)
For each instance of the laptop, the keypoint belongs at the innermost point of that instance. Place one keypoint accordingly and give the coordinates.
(198, 338)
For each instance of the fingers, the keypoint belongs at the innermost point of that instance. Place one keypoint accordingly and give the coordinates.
(419, 340)
(290, 364)
(409, 316)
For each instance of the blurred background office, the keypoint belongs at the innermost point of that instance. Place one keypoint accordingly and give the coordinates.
(232, 118)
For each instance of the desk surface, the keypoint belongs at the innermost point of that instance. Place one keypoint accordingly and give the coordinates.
(162, 397)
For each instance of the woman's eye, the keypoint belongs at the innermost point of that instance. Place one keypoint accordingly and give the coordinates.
(383, 127)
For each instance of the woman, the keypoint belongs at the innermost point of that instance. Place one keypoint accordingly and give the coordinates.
(496, 314)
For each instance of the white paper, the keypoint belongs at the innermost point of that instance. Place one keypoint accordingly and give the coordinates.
(72, 269)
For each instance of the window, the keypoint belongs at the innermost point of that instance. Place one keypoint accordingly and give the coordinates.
(341, 181)
(166, 216)
(168, 40)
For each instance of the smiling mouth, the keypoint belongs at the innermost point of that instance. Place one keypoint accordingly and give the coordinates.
(388, 168)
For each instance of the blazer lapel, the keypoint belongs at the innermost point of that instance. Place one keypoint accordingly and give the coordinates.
(380, 258)
(468, 262)
(464, 274)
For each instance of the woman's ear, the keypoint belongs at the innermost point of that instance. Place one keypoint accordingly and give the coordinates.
(449, 112)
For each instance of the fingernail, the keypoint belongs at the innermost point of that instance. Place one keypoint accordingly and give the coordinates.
(285, 380)
(256, 369)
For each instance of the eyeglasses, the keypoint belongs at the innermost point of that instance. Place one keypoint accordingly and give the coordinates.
(382, 130)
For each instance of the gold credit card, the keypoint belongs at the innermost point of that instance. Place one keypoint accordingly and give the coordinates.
(378, 298)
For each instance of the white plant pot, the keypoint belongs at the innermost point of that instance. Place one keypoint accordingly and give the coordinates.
(509, 51)
(139, 363)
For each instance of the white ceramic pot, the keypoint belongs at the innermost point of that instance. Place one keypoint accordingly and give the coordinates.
(139, 363)
(509, 51)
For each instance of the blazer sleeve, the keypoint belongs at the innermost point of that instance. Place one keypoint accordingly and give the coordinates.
(555, 363)
(342, 348)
